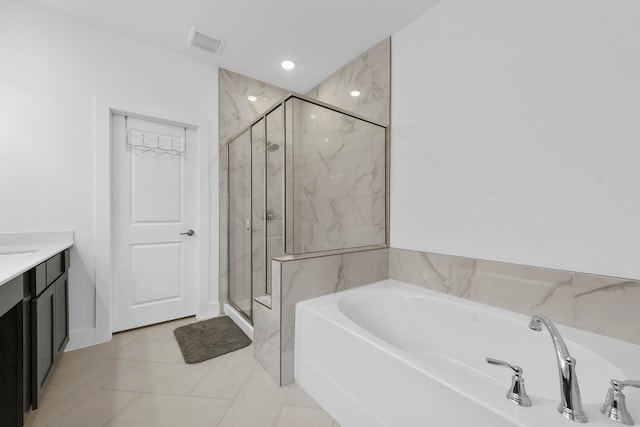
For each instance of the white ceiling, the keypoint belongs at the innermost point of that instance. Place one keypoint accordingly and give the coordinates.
(320, 36)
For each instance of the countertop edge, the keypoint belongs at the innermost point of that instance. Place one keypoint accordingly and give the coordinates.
(12, 268)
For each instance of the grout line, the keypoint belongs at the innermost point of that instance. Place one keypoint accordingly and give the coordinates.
(123, 408)
(238, 394)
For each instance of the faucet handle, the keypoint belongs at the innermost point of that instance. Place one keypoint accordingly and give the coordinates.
(614, 405)
(516, 394)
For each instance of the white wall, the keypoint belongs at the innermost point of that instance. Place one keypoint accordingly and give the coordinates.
(51, 69)
(515, 133)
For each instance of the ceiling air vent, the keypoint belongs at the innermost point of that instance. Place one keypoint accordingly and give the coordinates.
(203, 41)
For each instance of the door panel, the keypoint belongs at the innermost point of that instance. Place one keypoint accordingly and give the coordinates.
(155, 199)
(155, 272)
(156, 188)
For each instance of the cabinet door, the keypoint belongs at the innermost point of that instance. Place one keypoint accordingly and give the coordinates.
(43, 349)
(61, 324)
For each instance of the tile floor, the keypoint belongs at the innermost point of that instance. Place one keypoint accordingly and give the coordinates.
(140, 379)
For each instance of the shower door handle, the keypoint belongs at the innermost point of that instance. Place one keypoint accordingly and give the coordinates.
(188, 233)
(247, 224)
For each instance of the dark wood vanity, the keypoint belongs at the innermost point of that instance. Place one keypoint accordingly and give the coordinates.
(34, 330)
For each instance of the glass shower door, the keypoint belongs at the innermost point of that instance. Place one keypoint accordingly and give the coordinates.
(240, 223)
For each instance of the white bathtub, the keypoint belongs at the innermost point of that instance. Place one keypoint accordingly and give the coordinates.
(393, 354)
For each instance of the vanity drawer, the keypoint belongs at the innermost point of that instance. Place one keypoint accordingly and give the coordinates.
(38, 279)
(47, 272)
(55, 267)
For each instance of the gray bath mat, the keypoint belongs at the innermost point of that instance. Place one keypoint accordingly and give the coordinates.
(210, 338)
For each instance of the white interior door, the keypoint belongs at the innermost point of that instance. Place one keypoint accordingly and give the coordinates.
(155, 202)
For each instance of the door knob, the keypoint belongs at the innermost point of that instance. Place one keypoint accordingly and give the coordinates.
(188, 233)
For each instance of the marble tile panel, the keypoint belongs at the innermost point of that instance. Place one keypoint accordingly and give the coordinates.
(443, 273)
(266, 327)
(608, 306)
(313, 277)
(370, 74)
(154, 410)
(524, 289)
(236, 111)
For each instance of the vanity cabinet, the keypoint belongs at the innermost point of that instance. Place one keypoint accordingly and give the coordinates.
(34, 330)
(49, 320)
(11, 355)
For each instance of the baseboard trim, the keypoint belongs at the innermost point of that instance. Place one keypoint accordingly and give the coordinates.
(207, 311)
(81, 338)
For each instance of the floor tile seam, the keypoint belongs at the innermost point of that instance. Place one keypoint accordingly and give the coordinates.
(152, 393)
(124, 407)
(317, 406)
(77, 404)
(210, 368)
(236, 396)
(35, 423)
(172, 339)
(104, 386)
(78, 374)
(147, 361)
(281, 408)
(80, 378)
(160, 393)
(133, 340)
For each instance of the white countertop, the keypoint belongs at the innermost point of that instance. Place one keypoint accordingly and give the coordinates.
(20, 252)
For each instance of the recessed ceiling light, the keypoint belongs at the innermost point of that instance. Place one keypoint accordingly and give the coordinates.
(252, 98)
(313, 116)
(288, 65)
(326, 140)
(354, 93)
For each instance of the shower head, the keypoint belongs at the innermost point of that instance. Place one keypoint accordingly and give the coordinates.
(272, 147)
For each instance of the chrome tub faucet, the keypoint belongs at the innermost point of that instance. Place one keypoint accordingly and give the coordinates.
(570, 403)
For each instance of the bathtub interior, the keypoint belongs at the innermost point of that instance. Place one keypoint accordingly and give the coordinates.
(456, 337)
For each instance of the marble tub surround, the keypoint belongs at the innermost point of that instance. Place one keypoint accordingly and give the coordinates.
(605, 305)
(296, 280)
(370, 74)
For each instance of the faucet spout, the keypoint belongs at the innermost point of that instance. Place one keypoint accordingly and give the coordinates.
(570, 403)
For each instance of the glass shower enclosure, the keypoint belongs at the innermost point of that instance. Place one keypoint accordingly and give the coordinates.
(304, 177)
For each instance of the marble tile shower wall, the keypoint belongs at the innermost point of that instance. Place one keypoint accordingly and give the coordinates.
(370, 74)
(339, 181)
(604, 305)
